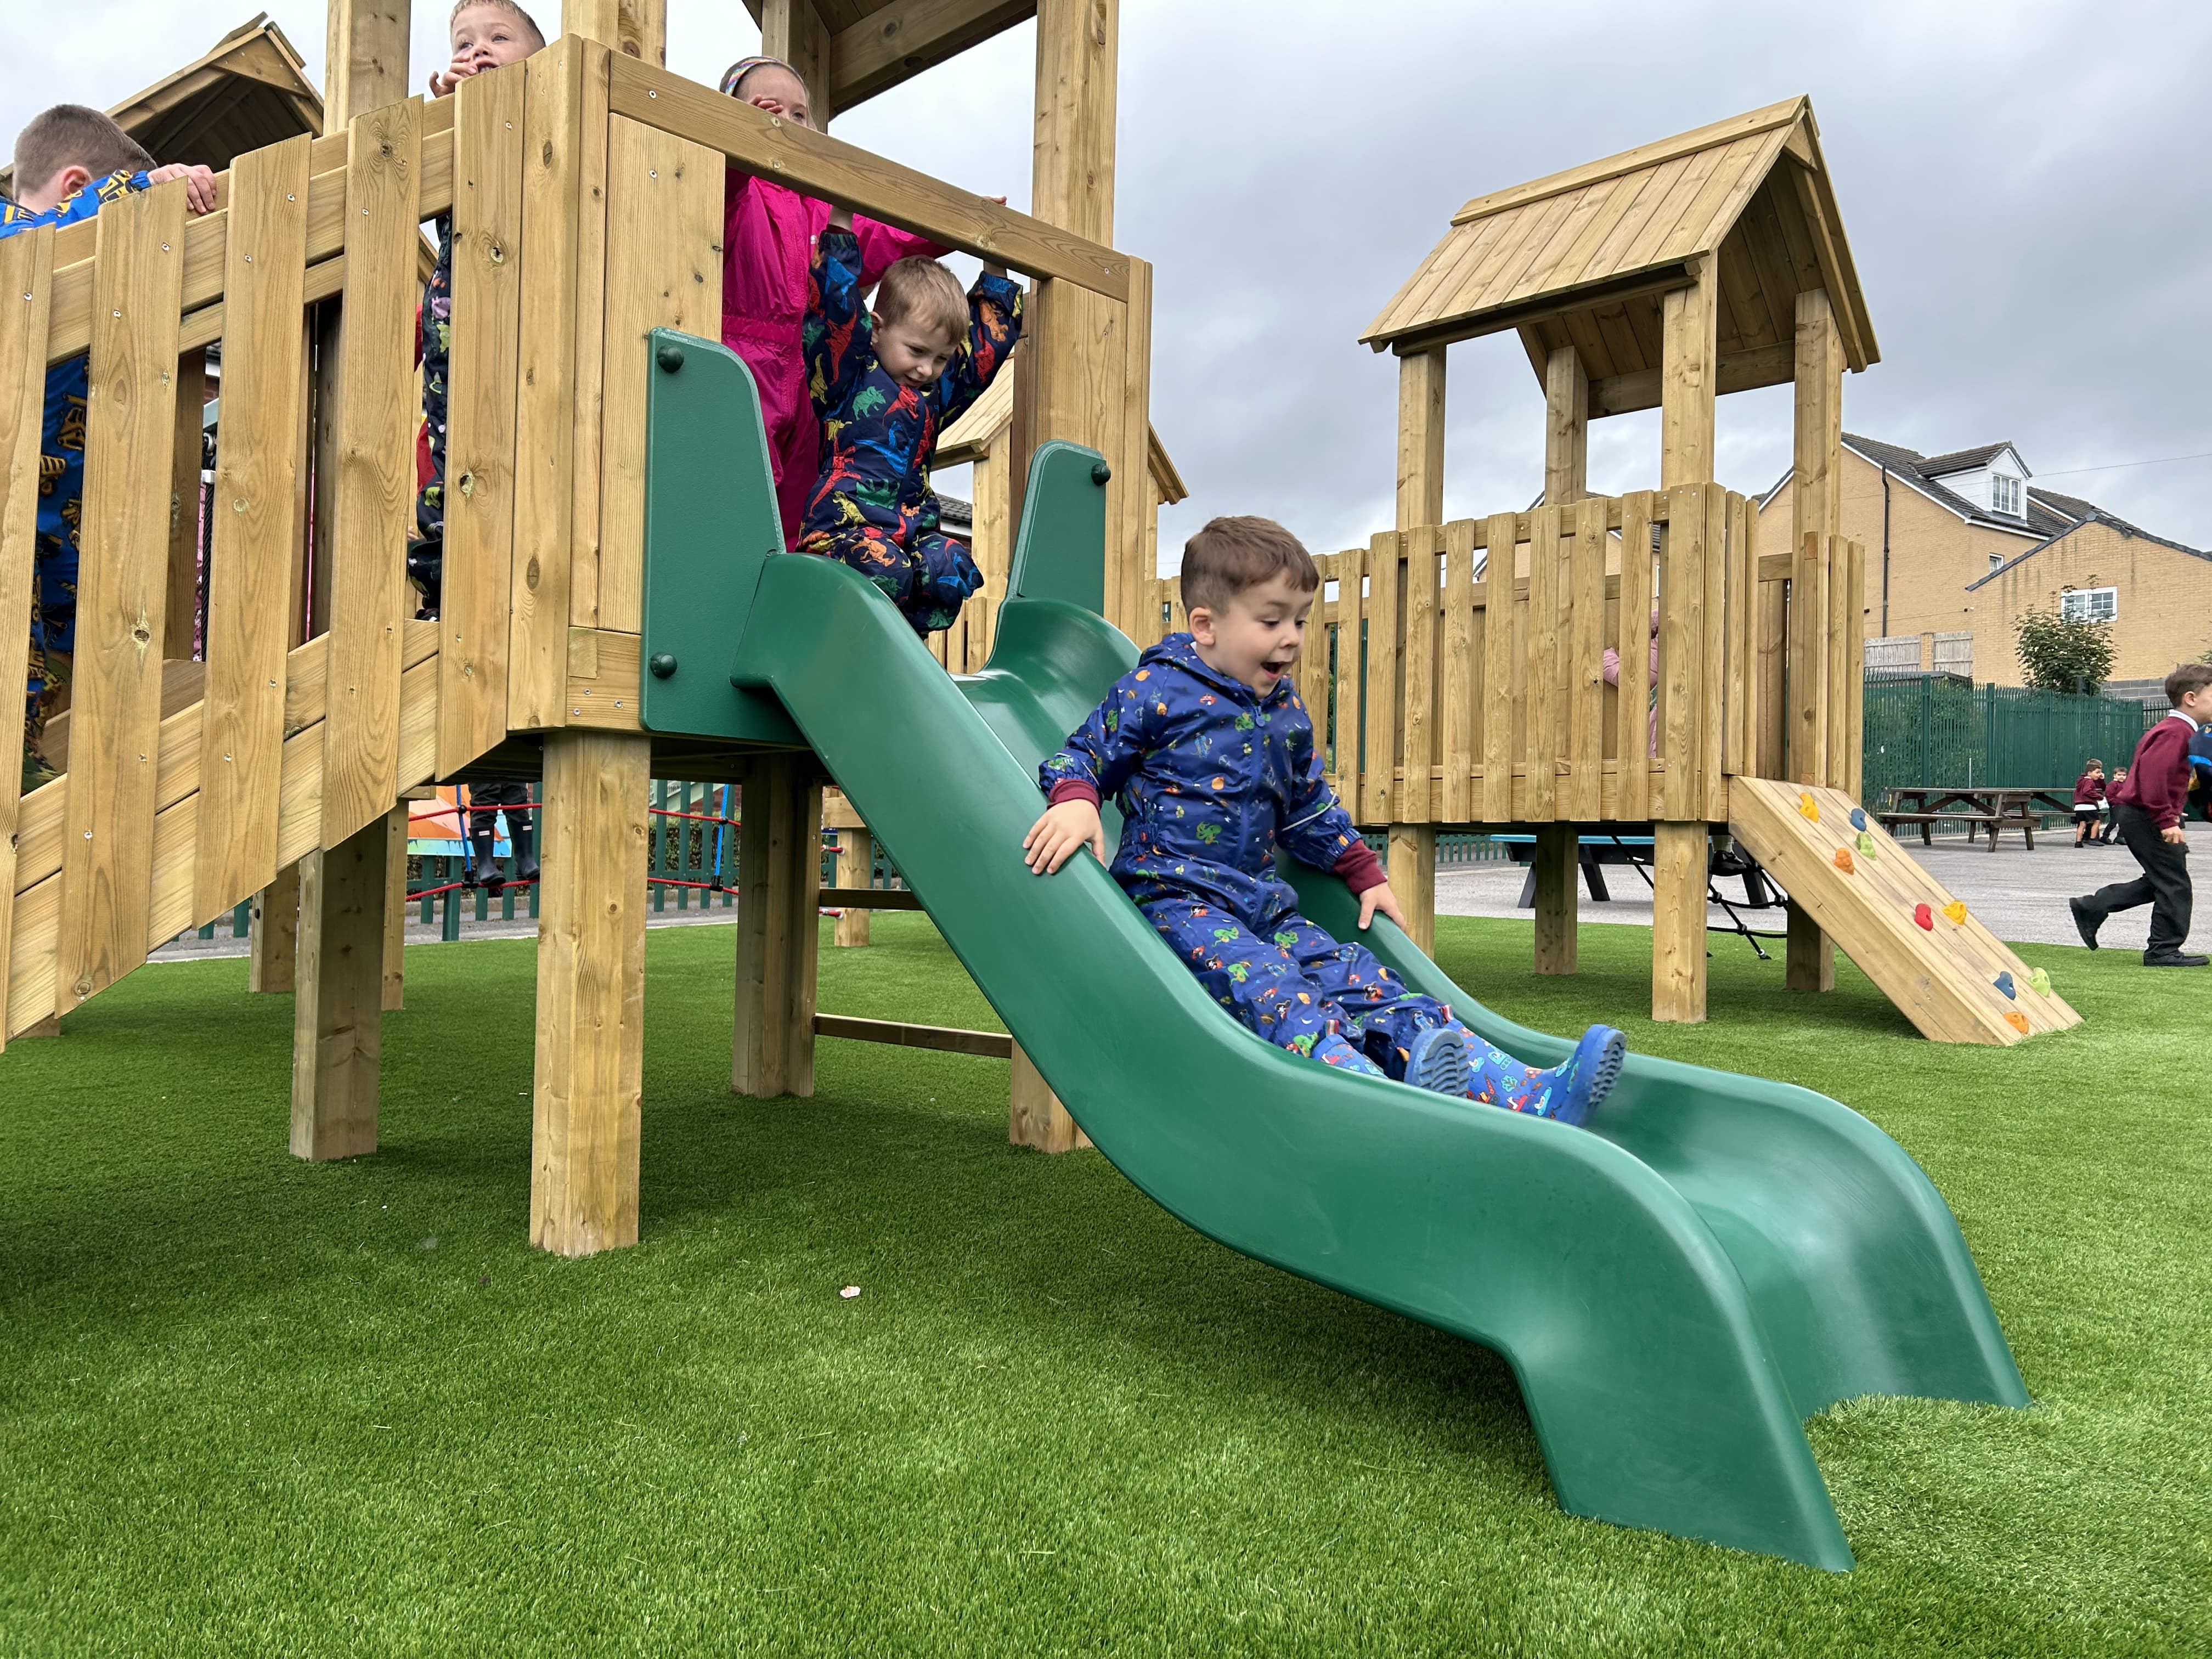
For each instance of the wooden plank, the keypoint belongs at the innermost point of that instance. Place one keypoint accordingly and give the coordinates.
(636, 29)
(1384, 618)
(553, 282)
(1712, 670)
(779, 860)
(588, 1080)
(1546, 600)
(1854, 677)
(1685, 420)
(1845, 656)
(365, 55)
(603, 679)
(1498, 661)
(1312, 669)
(273, 935)
(1585, 750)
(1740, 660)
(1737, 371)
(587, 460)
(1566, 427)
(1414, 796)
(482, 386)
(393, 910)
(853, 897)
(945, 1039)
(375, 482)
(1412, 869)
(895, 42)
(1636, 689)
(665, 214)
(1772, 737)
(250, 568)
(338, 1015)
(107, 860)
(1035, 1117)
(25, 270)
(1557, 880)
(181, 609)
(1421, 439)
(1681, 641)
(183, 685)
(818, 165)
(1132, 501)
(1808, 659)
(1459, 674)
(1679, 853)
(1350, 727)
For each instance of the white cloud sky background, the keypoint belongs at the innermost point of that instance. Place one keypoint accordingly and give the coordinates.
(2024, 184)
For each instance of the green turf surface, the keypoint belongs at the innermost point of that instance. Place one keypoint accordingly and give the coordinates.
(251, 1405)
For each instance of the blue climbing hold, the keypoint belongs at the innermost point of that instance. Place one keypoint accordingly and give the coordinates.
(1859, 817)
(2004, 982)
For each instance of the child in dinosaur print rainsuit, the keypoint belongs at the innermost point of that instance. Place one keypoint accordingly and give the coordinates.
(1213, 771)
(885, 385)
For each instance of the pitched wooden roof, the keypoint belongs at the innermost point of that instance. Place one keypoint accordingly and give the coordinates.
(1581, 257)
(972, 436)
(250, 90)
(874, 44)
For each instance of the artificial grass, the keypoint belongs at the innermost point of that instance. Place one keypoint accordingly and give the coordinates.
(248, 1405)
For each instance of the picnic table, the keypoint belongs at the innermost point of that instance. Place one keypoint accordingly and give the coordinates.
(1993, 809)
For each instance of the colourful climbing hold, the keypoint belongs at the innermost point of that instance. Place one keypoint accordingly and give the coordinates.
(1844, 859)
(2004, 983)
(1858, 819)
(1810, 808)
(2039, 980)
(2017, 1020)
(1955, 913)
(1925, 916)
(1866, 848)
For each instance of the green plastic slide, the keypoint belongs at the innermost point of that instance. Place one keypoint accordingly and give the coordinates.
(1676, 1287)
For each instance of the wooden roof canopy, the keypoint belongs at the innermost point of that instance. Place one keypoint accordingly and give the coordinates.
(871, 45)
(1582, 259)
(250, 91)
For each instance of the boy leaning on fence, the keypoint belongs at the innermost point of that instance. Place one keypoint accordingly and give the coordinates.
(70, 162)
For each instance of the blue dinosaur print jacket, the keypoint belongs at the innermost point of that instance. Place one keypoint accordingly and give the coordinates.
(1210, 777)
(878, 434)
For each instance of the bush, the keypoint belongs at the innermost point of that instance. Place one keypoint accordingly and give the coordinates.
(2057, 655)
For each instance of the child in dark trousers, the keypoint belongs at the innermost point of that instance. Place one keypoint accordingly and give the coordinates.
(2110, 833)
(2147, 810)
(885, 385)
(2088, 794)
(71, 161)
(1212, 758)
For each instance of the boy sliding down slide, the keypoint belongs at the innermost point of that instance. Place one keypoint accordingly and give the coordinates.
(1212, 759)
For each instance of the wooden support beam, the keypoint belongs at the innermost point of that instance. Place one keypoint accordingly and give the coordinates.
(272, 948)
(1809, 960)
(1566, 427)
(1558, 873)
(1412, 868)
(778, 865)
(365, 62)
(337, 1021)
(793, 31)
(590, 1068)
(1690, 316)
(1738, 371)
(1678, 923)
(1037, 1118)
(896, 41)
(1818, 592)
(990, 1045)
(1421, 438)
(856, 855)
(635, 28)
(394, 975)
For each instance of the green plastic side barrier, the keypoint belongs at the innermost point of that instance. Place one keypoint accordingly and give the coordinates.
(1676, 1287)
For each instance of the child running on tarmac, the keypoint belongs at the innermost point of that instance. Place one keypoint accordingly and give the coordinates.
(885, 385)
(1212, 758)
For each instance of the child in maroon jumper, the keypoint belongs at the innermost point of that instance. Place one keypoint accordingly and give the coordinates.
(2088, 794)
(2147, 810)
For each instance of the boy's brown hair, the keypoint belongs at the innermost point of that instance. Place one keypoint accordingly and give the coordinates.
(922, 291)
(2190, 676)
(509, 8)
(72, 135)
(1230, 554)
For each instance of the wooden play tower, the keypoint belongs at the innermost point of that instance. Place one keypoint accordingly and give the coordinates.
(585, 187)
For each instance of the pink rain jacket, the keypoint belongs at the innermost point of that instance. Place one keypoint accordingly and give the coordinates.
(767, 243)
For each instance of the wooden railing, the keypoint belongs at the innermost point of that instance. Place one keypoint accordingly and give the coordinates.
(1446, 692)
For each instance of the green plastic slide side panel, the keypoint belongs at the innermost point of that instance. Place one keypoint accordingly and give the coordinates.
(1060, 552)
(711, 527)
(1675, 1288)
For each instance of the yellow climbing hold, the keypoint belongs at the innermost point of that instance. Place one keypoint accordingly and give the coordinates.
(1955, 913)
(1810, 808)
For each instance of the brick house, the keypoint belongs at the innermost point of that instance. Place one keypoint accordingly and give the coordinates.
(1959, 545)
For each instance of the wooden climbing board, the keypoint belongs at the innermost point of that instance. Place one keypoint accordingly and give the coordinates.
(1931, 956)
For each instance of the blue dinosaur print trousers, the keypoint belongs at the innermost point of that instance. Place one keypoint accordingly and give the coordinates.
(929, 581)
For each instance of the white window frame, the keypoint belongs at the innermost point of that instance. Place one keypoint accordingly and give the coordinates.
(1997, 563)
(2091, 605)
(2007, 493)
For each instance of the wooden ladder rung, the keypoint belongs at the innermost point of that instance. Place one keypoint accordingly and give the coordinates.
(993, 1045)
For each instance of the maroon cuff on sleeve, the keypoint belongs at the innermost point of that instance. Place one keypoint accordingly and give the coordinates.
(1360, 868)
(1077, 789)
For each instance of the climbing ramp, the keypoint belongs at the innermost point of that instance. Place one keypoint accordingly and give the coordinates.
(1931, 956)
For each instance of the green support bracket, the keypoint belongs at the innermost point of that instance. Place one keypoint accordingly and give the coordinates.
(1061, 553)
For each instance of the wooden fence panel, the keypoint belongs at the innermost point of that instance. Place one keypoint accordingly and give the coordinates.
(1808, 661)
(1500, 659)
(1844, 662)
(1742, 653)
(1414, 797)
(1637, 692)
(1855, 672)
(1350, 607)
(1313, 677)
(376, 421)
(482, 382)
(1681, 643)
(116, 697)
(1384, 613)
(1712, 713)
(250, 561)
(27, 264)
(1585, 746)
(1540, 745)
(1460, 636)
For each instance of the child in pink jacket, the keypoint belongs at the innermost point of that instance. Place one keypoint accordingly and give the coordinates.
(768, 241)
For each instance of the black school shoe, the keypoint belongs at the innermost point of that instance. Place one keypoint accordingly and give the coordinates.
(2086, 921)
(2176, 959)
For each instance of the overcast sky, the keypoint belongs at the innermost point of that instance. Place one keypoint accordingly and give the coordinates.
(2025, 186)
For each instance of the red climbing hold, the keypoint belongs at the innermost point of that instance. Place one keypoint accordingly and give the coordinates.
(1925, 916)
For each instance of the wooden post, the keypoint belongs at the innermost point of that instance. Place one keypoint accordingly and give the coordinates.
(1566, 479)
(1413, 846)
(778, 875)
(591, 992)
(1816, 491)
(856, 856)
(336, 1037)
(364, 63)
(1412, 868)
(395, 908)
(793, 31)
(1687, 386)
(636, 29)
(272, 950)
(1038, 1120)
(1557, 872)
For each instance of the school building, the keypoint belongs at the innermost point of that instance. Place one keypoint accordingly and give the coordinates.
(1959, 545)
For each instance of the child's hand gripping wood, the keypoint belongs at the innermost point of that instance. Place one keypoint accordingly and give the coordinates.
(1053, 839)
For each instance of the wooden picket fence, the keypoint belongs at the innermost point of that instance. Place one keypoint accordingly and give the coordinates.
(1442, 694)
